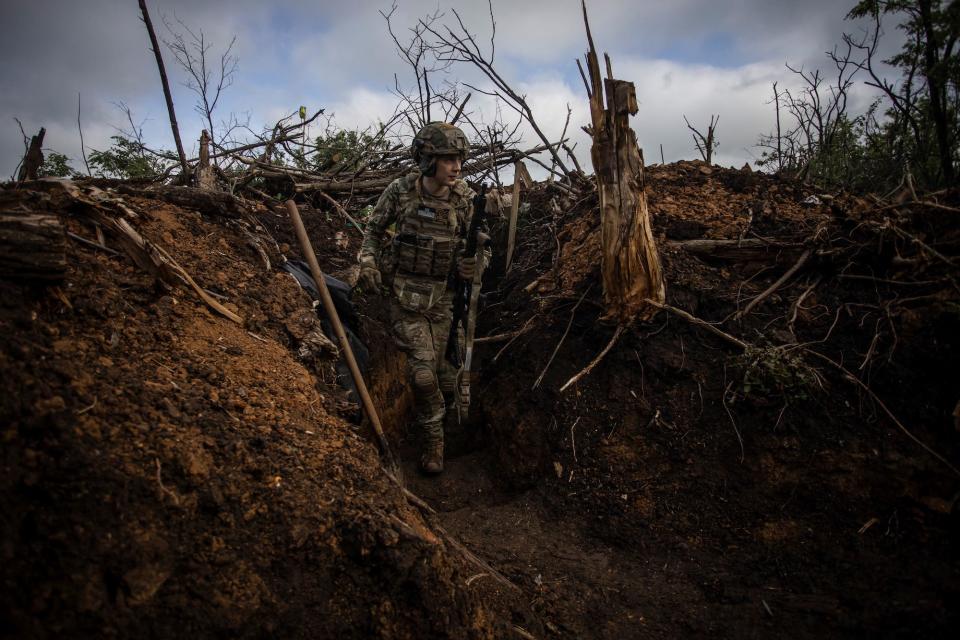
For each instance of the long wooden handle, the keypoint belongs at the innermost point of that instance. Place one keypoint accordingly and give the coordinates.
(331, 311)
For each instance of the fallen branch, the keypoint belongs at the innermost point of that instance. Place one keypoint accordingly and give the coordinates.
(182, 274)
(341, 210)
(429, 511)
(776, 285)
(32, 246)
(91, 243)
(744, 249)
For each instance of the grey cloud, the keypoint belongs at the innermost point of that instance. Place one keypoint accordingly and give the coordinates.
(320, 53)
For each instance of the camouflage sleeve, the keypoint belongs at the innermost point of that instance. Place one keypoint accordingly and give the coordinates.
(384, 214)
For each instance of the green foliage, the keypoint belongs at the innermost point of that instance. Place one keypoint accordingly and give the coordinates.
(57, 165)
(345, 147)
(777, 371)
(924, 115)
(127, 159)
(914, 126)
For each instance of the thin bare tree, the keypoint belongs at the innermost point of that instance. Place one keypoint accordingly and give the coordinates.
(145, 16)
(706, 144)
(458, 44)
(192, 52)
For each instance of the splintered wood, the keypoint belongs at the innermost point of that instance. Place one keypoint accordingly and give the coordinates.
(631, 267)
(32, 246)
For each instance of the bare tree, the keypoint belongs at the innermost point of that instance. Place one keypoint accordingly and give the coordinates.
(185, 170)
(706, 145)
(458, 44)
(818, 110)
(427, 99)
(422, 59)
(929, 87)
(192, 53)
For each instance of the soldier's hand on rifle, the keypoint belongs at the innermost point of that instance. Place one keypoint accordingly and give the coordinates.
(467, 267)
(369, 279)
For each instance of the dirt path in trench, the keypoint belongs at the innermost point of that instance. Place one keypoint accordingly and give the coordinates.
(572, 585)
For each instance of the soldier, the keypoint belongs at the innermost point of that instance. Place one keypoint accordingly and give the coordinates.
(431, 211)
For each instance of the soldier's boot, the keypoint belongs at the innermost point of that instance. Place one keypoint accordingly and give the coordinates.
(431, 456)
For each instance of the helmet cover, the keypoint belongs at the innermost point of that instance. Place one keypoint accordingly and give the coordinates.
(438, 139)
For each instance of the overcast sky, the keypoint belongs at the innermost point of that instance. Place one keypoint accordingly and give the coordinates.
(687, 57)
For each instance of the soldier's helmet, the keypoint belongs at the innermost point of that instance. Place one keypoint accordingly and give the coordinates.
(438, 139)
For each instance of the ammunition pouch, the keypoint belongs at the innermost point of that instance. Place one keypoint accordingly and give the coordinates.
(415, 294)
(423, 255)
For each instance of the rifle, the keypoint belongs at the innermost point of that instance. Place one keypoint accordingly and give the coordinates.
(464, 300)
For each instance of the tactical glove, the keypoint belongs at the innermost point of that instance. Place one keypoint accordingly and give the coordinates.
(466, 268)
(369, 279)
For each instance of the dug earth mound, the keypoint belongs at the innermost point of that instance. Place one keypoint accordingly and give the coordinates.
(171, 472)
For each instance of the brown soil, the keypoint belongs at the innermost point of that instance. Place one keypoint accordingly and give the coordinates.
(167, 472)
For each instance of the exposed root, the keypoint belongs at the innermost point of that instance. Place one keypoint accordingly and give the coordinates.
(736, 429)
(519, 333)
(802, 260)
(553, 355)
(700, 323)
(857, 381)
(163, 489)
(595, 361)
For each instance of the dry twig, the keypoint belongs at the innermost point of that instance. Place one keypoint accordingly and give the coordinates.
(616, 336)
(562, 338)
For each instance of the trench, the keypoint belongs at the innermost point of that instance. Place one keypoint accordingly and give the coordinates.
(628, 507)
(498, 498)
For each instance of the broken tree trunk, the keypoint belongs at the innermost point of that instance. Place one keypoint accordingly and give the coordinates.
(631, 267)
(205, 178)
(33, 160)
(32, 247)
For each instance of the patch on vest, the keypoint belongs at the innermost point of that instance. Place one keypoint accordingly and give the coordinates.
(428, 213)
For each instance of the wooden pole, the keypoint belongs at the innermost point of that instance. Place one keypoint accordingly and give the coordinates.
(514, 210)
(185, 169)
(331, 312)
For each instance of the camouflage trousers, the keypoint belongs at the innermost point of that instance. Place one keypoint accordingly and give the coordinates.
(423, 336)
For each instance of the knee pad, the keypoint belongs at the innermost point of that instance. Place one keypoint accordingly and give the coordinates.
(424, 380)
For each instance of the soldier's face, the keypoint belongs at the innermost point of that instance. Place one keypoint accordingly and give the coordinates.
(448, 170)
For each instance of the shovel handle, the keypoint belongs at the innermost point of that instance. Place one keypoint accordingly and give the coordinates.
(331, 312)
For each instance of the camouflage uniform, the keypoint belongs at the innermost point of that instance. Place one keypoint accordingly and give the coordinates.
(415, 265)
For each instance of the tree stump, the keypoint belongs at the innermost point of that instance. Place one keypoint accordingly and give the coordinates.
(630, 264)
(205, 178)
(33, 160)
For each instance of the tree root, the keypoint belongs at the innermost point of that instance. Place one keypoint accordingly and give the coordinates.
(616, 336)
